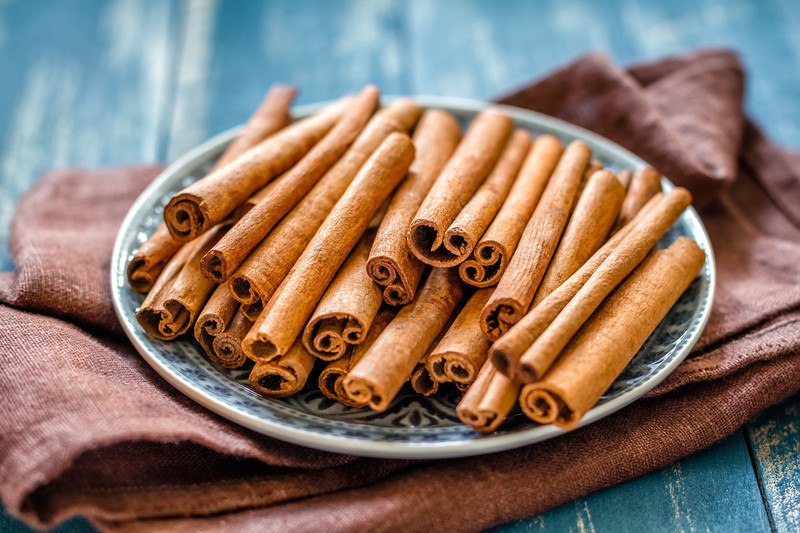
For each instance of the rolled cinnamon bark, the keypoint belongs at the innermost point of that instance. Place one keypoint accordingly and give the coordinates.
(421, 380)
(515, 291)
(459, 356)
(507, 350)
(378, 376)
(490, 257)
(272, 115)
(645, 183)
(624, 177)
(620, 326)
(488, 400)
(150, 258)
(180, 292)
(541, 354)
(593, 166)
(213, 321)
(284, 375)
(227, 345)
(212, 199)
(464, 232)
(332, 376)
(464, 173)
(594, 214)
(226, 256)
(391, 264)
(266, 267)
(347, 309)
(289, 309)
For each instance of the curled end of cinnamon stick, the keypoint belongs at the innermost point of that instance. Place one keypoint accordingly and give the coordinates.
(184, 218)
(165, 325)
(327, 337)
(259, 349)
(242, 289)
(227, 352)
(142, 275)
(384, 271)
(422, 382)
(545, 407)
(486, 266)
(253, 310)
(498, 316)
(275, 381)
(438, 248)
(214, 267)
(363, 392)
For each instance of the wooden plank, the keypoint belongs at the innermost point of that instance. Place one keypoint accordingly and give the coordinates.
(775, 442)
(235, 50)
(84, 83)
(668, 500)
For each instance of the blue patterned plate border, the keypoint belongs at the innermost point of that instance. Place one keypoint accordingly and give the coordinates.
(413, 427)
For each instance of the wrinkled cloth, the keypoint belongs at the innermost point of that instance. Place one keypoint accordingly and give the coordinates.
(86, 427)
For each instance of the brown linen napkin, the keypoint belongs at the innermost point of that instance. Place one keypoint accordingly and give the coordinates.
(86, 427)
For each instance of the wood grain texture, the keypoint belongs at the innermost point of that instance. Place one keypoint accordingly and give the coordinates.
(74, 65)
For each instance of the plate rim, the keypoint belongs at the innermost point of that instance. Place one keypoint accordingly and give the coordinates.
(481, 445)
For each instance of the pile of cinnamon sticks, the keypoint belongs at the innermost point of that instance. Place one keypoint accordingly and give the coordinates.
(386, 246)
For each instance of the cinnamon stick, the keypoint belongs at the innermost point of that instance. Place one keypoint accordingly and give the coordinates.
(271, 116)
(180, 292)
(516, 288)
(645, 183)
(284, 375)
(227, 346)
(630, 251)
(421, 380)
(266, 267)
(150, 258)
(620, 326)
(332, 376)
(210, 200)
(624, 177)
(488, 400)
(283, 319)
(507, 350)
(464, 173)
(391, 264)
(594, 214)
(490, 257)
(213, 321)
(346, 310)
(460, 354)
(378, 376)
(226, 256)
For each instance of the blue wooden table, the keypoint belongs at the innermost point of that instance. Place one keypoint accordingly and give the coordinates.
(94, 83)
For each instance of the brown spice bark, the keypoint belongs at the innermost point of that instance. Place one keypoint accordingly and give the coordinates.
(285, 375)
(212, 199)
(228, 344)
(180, 292)
(377, 378)
(515, 291)
(645, 183)
(539, 357)
(488, 400)
(491, 255)
(331, 379)
(464, 173)
(594, 214)
(271, 116)
(460, 354)
(507, 350)
(263, 271)
(226, 256)
(599, 353)
(213, 321)
(284, 317)
(347, 309)
(391, 264)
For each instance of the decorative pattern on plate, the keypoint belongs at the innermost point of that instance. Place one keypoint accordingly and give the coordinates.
(413, 426)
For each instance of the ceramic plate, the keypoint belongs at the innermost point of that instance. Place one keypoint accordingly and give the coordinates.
(413, 427)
